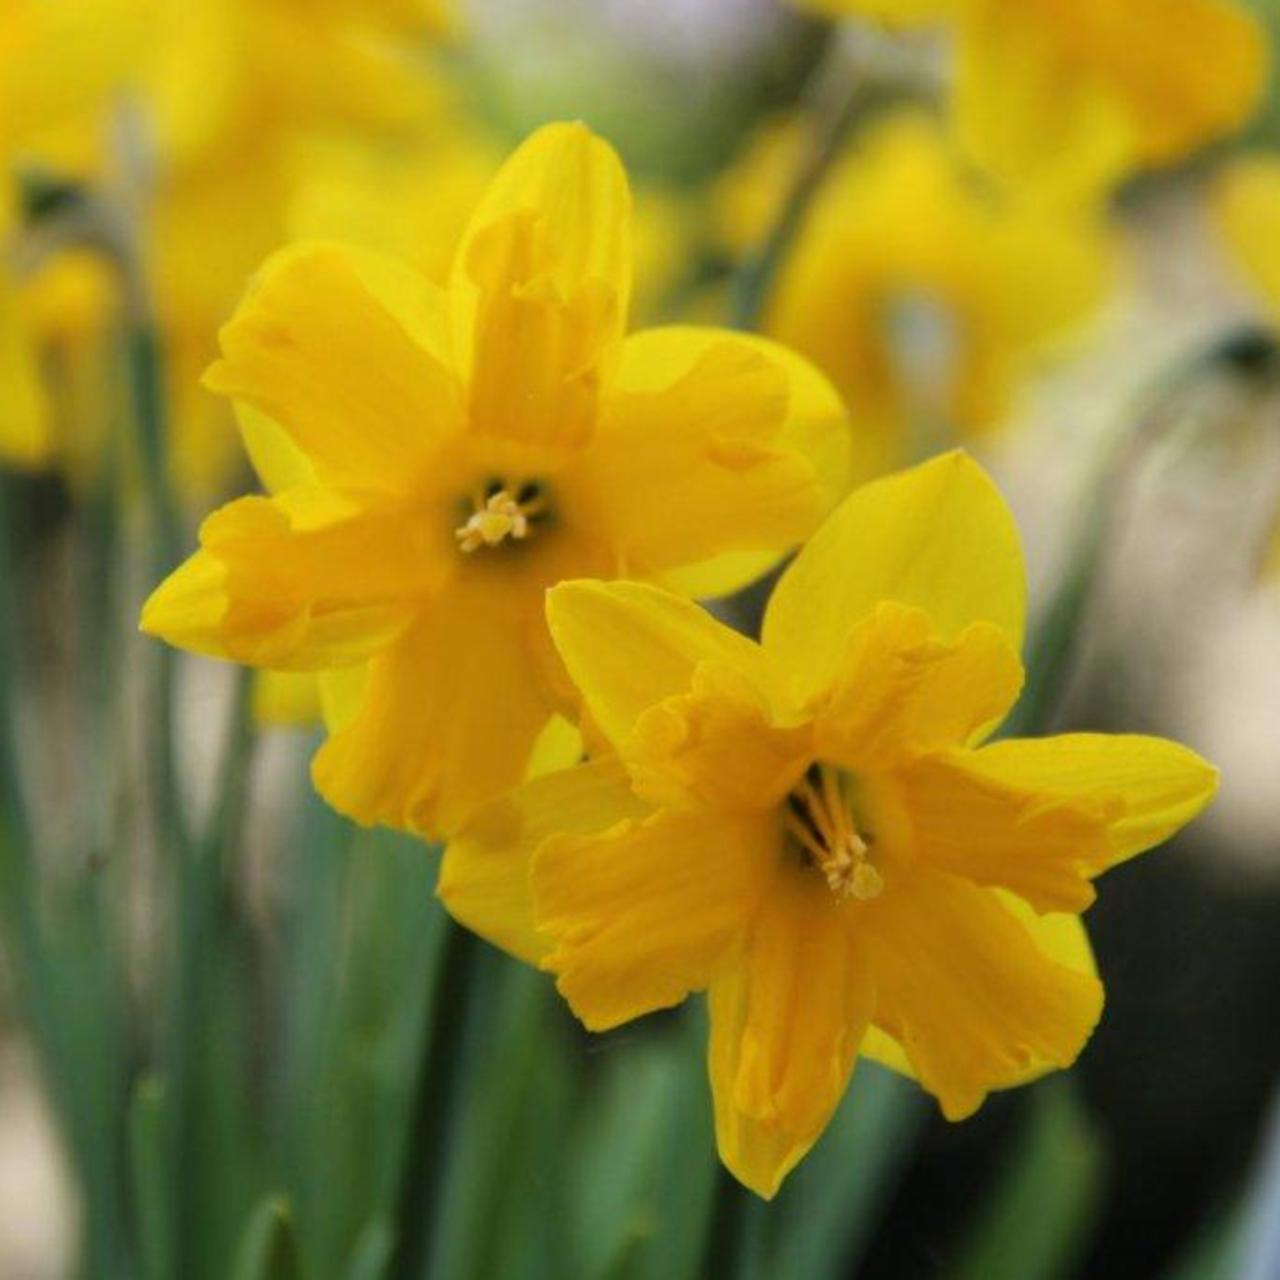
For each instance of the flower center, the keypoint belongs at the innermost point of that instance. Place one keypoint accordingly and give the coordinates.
(820, 819)
(500, 512)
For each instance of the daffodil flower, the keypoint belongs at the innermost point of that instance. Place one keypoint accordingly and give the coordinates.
(1071, 95)
(908, 287)
(441, 457)
(811, 830)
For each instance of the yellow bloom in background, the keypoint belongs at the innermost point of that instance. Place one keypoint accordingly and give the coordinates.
(70, 312)
(62, 65)
(465, 450)
(1069, 96)
(25, 438)
(1247, 203)
(925, 299)
(232, 74)
(810, 829)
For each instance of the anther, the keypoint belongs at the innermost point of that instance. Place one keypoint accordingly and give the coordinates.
(499, 517)
(818, 818)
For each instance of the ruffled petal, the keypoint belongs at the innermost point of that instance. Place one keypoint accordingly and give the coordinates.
(1038, 846)
(647, 912)
(716, 746)
(963, 987)
(786, 1023)
(1060, 937)
(345, 350)
(902, 691)
(938, 537)
(628, 645)
(539, 294)
(299, 582)
(695, 426)
(571, 186)
(448, 719)
(1143, 789)
(485, 875)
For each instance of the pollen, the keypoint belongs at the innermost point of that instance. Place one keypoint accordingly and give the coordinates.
(498, 517)
(820, 819)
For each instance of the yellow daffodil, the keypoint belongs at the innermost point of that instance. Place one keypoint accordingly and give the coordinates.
(912, 289)
(466, 449)
(811, 830)
(1248, 209)
(1070, 95)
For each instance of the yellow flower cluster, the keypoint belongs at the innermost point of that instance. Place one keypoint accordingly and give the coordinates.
(1070, 95)
(488, 505)
(205, 110)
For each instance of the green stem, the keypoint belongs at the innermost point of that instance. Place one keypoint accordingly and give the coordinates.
(435, 1106)
(839, 90)
(173, 838)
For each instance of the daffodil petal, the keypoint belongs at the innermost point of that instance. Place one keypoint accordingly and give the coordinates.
(1143, 788)
(571, 185)
(786, 1022)
(647, 912)
(963, 987)
(814, 426)
(709, 444)
(1060, 937)
(279, 463)
(938, 537)
(485, 875)
(1039, 847)
(344, 350)
(448, 719)
(628, 645)
(296, 582)
(901, 691)
(716, 747)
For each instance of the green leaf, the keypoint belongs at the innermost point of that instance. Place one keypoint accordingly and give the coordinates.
(1040, 1216)
(500, 1210)
(148, 1167)
(268, 1250)
(641, 1174)
(365, 944)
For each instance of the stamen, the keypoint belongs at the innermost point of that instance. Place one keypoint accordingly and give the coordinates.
(821, 822)
(499, 516)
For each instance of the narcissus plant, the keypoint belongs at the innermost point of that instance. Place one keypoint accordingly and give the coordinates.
(812, 830)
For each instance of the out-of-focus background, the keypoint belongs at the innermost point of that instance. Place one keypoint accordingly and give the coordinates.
(253, 1065)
